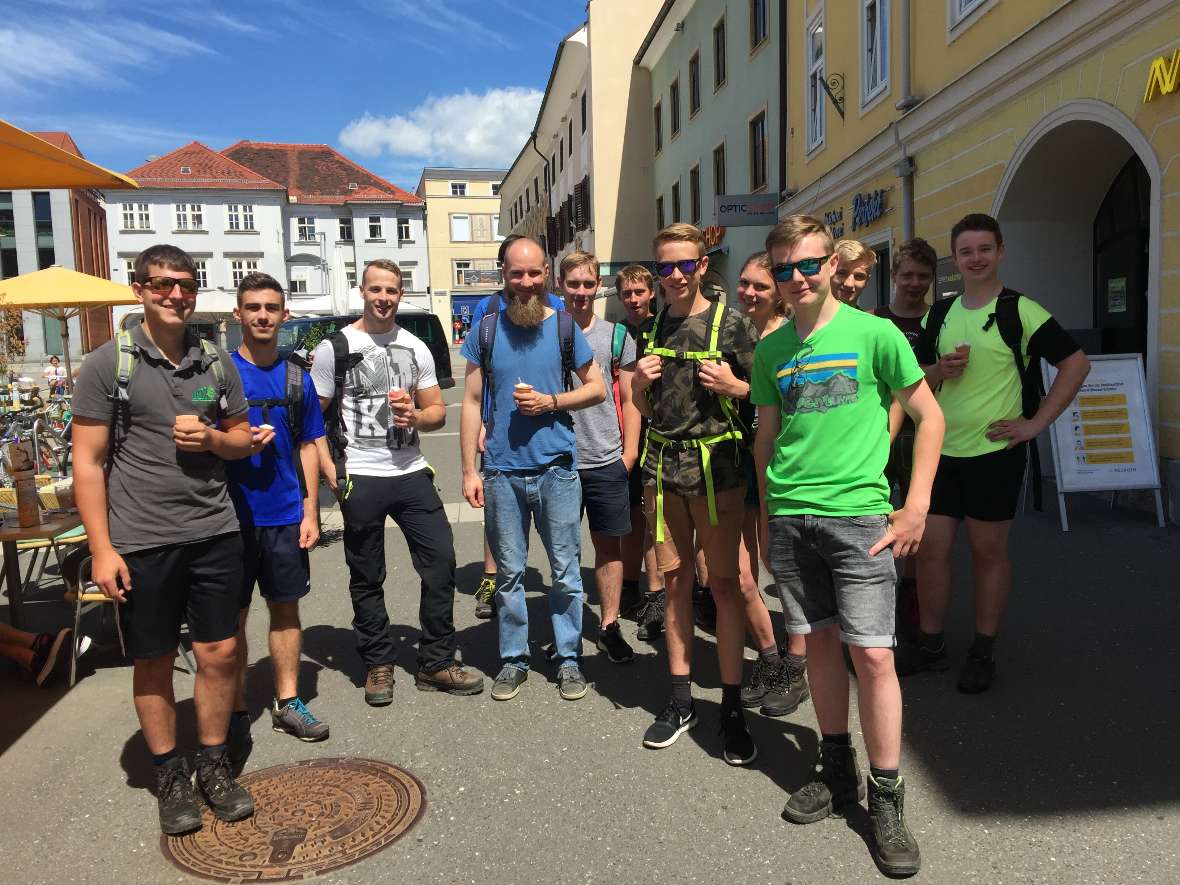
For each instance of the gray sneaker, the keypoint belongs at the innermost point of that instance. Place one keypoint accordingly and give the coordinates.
(296, 720)
(571, 684)
(508, 682)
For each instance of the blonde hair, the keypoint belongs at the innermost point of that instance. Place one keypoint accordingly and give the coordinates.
(383, 264)
(579, 259)
(635, 273)
(794, 228)
(855, 252)
(680, 233)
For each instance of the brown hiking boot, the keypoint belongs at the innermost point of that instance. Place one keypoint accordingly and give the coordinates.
(379, 686)
(452, 679)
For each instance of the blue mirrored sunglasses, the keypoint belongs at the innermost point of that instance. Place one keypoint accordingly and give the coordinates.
(687, 267)
(809, 267)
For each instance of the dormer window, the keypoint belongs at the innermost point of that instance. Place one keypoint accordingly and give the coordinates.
(352, 185)
(186, 170)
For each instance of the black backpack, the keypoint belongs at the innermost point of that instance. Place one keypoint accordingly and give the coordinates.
(342, 362)
(487, 338)
(292, 400)
(1007, 320)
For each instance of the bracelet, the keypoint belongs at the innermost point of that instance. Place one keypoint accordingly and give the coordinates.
(554, 396)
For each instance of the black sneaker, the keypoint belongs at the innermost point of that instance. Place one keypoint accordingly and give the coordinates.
(836, 785)
(650, 617)
(238, 742)
(977, 673)
(630, 599)
(704, 608)
(897, 849)
(485, 594)
(613, 645)
(913, 657)
(669, 725)
(786, 689)
(51, 652)
(180, 810)
(737, 747)
(755, 690)
(229, 800)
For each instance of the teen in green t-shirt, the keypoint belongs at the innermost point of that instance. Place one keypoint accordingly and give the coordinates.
(823, 383)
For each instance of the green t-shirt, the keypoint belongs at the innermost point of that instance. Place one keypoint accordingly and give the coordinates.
(989, 389)
(834, 391)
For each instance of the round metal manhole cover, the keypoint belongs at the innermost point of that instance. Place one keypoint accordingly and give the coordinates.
(309, 817)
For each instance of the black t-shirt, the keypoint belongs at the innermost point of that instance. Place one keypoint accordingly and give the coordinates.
(911, 327)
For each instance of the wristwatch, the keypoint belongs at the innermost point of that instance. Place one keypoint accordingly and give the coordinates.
(554, 396)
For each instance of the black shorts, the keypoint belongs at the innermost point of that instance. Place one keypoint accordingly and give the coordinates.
(198, 584)
(752, 500)
(983, 487)
(635, 486)
(606, 499)
(901, 461)
(274, 560)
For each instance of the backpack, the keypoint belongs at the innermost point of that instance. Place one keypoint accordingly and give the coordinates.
(292, 399)
(342, 362)
(1007, 321)
(617, 342)
(487, 338)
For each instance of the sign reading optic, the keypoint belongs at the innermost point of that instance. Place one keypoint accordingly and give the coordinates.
(1163, 76)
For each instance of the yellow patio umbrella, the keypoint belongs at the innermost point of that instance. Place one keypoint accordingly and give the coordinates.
(27, 161)
(62, 294)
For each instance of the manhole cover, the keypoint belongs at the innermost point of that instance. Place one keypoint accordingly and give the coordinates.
(309, 817)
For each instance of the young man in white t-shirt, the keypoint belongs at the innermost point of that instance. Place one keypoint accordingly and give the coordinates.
(389, 393)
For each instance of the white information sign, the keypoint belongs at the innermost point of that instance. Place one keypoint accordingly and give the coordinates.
(1104, 440)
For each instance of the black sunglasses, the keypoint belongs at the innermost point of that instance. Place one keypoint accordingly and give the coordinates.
(809, 267)
(688, 267)
(580, 284)
(164, 285)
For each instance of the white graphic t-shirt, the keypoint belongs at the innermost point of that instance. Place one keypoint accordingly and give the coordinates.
(376, 447)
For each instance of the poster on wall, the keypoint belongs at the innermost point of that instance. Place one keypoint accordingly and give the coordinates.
(1104, 439)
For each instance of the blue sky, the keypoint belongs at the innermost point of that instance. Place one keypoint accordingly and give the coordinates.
(395, 84)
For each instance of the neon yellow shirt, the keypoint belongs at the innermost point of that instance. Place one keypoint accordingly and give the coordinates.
(989, 388)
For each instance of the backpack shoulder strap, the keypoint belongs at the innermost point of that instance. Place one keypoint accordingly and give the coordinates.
(213, 362)
(617, 342)
(565, 341)
(294, 400)
(1031, 386)
(935, 317)
(126, 359)
(715, 318)
(486, 339)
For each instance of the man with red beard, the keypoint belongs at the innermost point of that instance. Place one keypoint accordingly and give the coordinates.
(527, 353)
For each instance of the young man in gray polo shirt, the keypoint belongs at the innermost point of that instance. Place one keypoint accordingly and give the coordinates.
(149, 477)
(608, 445)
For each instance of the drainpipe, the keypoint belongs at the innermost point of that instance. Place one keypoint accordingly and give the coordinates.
(782, 98)
(908, 100)
(905, 175)
(548, 201)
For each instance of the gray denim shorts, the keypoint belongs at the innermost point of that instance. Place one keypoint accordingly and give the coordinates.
(824, 575)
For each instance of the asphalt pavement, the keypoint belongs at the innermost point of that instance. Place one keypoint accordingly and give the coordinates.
(1061, 773)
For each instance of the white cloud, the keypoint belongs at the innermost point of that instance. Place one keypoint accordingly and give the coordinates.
(462, 130)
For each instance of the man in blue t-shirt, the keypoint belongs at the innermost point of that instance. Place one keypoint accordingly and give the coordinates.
(275, 494)
(530, 460)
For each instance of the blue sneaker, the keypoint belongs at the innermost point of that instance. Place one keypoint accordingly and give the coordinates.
(296, 720)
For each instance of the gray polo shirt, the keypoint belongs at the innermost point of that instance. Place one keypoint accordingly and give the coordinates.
(158, 495)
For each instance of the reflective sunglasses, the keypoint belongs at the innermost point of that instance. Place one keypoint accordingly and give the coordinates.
(164, 285)
(687, 267)
(809, 267)
(580, 284)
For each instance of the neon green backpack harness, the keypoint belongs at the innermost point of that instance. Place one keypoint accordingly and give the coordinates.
(703, 444)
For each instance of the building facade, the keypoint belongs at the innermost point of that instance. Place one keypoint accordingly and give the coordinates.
(463, 237)
(63, 227)
(1061, 119)
(714, 100)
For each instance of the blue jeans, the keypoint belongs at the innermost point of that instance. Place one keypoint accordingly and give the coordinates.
(552, 499)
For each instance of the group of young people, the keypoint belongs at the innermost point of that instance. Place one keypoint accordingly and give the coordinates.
(699, 440)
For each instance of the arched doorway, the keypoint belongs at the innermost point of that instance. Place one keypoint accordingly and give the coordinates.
(1079, 207)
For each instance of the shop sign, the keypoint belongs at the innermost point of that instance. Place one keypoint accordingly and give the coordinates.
(867, 208)
(714, 234)
(746, 210)
(948, 281)
(1163, 78)
(835, 222)
(481, 277)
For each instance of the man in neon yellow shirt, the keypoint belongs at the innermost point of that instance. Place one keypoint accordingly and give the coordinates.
(973, 370)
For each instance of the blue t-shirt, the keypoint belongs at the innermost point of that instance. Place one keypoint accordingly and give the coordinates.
(516, 441)
(481, 308)
(265, 487)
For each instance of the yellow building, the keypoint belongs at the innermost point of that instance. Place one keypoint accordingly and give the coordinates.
(462, 236)
(1061, 118)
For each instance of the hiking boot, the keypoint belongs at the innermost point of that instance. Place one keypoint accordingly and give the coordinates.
(786, 689)
(755, 690)
(650, 617)
(51, 654)
(704, 608)
(630, 599)
(296, 720)
(452, 679)
(613, 645)
(669, 725)
(977, 673)
(508, 682)
(485, 592)
(379, 685)
(836, 785)
(737, 747)
(238, 742)
(913, 657)
(897, 849)
(180, 810)
(571, 684)
(229, 800)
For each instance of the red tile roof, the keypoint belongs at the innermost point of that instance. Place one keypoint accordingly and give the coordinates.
(317, 173)
(207, 169)
(60, 140)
